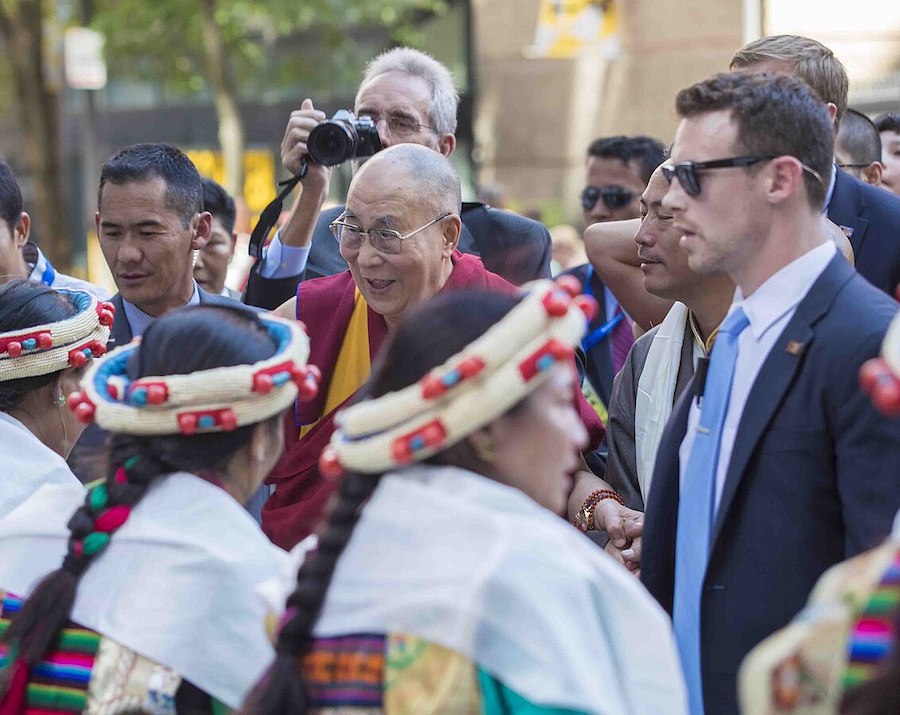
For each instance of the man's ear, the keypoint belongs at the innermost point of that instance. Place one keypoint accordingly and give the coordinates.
(832, 112)
(446, 144)
(872, 173)
(452, 228)
(201, 228)
(785, 176)
(22, 229)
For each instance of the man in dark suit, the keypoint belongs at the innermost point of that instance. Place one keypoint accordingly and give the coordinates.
(412, 99)
(773, 466)
(616, 173)
(150, 221)
(869, 216)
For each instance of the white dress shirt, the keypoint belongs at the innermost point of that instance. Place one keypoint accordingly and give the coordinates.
(769, 309)
(280, 261)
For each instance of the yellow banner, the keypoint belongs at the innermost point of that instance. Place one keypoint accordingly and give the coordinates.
(568, 27)
(259, 174)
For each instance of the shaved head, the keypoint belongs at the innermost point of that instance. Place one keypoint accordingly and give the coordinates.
(436, 181)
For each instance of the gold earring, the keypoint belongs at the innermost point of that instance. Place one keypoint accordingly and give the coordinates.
(484, 450)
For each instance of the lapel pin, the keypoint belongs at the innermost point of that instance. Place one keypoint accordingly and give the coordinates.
(848, 231)
(794, 348)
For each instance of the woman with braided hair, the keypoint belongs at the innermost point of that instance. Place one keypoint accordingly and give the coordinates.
(444, 580)
(46, 339)
(154, 608)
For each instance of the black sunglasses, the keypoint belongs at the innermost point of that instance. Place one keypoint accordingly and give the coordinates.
(688, 173)
(615, 197)
(855, 166)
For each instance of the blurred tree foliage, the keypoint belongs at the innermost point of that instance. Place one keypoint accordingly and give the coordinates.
(22, 30)
(224, 47)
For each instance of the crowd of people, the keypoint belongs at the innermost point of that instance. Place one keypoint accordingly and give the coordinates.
(405, 471)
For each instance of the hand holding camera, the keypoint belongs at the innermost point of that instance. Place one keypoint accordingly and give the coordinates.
(326, 143)
(301, 122)
(310, 147)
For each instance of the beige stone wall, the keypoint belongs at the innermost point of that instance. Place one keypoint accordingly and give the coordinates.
(865, 35)
(536, 117)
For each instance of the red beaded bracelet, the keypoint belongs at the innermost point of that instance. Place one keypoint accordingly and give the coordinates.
(584, 519)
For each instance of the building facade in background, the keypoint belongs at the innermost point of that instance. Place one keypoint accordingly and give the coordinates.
(536, 116)
(535, 92)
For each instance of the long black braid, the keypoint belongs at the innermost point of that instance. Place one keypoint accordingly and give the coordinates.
(37, 625)
(217, 337)
(434, 333)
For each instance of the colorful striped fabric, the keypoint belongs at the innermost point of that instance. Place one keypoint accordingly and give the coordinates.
(873, 636)
(59, 683)
(346, 671)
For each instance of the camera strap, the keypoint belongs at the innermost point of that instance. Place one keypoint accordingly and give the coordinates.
(270, 214)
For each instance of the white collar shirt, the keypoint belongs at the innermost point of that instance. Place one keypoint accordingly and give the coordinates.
(768, 309)
(829, 192)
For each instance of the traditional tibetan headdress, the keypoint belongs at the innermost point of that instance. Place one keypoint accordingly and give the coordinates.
(880, 377)
(216, 400)
(48, 348)
(469, 390)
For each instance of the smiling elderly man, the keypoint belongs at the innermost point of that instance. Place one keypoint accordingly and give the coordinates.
(399, 236)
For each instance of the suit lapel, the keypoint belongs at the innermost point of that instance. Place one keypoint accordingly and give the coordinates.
(845, 209)
(775, 377)
(661, 526)
(773, 380)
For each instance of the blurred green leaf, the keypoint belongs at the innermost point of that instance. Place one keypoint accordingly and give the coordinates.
(161, 40)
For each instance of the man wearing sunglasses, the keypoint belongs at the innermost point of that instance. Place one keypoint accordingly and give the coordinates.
(774, 465)
(616, 173)
(857, 148)
(413, 100)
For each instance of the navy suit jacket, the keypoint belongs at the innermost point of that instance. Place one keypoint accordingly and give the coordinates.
(87, 457)
(873, 217)
(813, 479)
(512, 246)
(599, 367)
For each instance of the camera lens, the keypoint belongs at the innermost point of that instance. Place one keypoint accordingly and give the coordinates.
(331, 143)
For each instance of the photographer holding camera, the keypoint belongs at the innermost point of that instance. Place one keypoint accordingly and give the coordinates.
(410, 98)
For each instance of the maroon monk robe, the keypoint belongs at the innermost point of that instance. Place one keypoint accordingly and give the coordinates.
(298, 505)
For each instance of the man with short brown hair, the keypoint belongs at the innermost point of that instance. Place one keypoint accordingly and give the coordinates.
(868, 216)
(774, 465)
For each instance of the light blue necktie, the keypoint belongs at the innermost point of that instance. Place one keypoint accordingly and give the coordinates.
(695, 504)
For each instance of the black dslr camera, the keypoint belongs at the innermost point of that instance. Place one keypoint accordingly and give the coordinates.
(344, 136)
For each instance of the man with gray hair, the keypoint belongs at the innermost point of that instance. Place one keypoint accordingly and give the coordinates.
(412, 99)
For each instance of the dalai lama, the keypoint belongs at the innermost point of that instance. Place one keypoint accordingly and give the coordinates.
(398, 235)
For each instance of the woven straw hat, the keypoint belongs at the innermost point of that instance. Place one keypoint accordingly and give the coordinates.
(469, 390)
